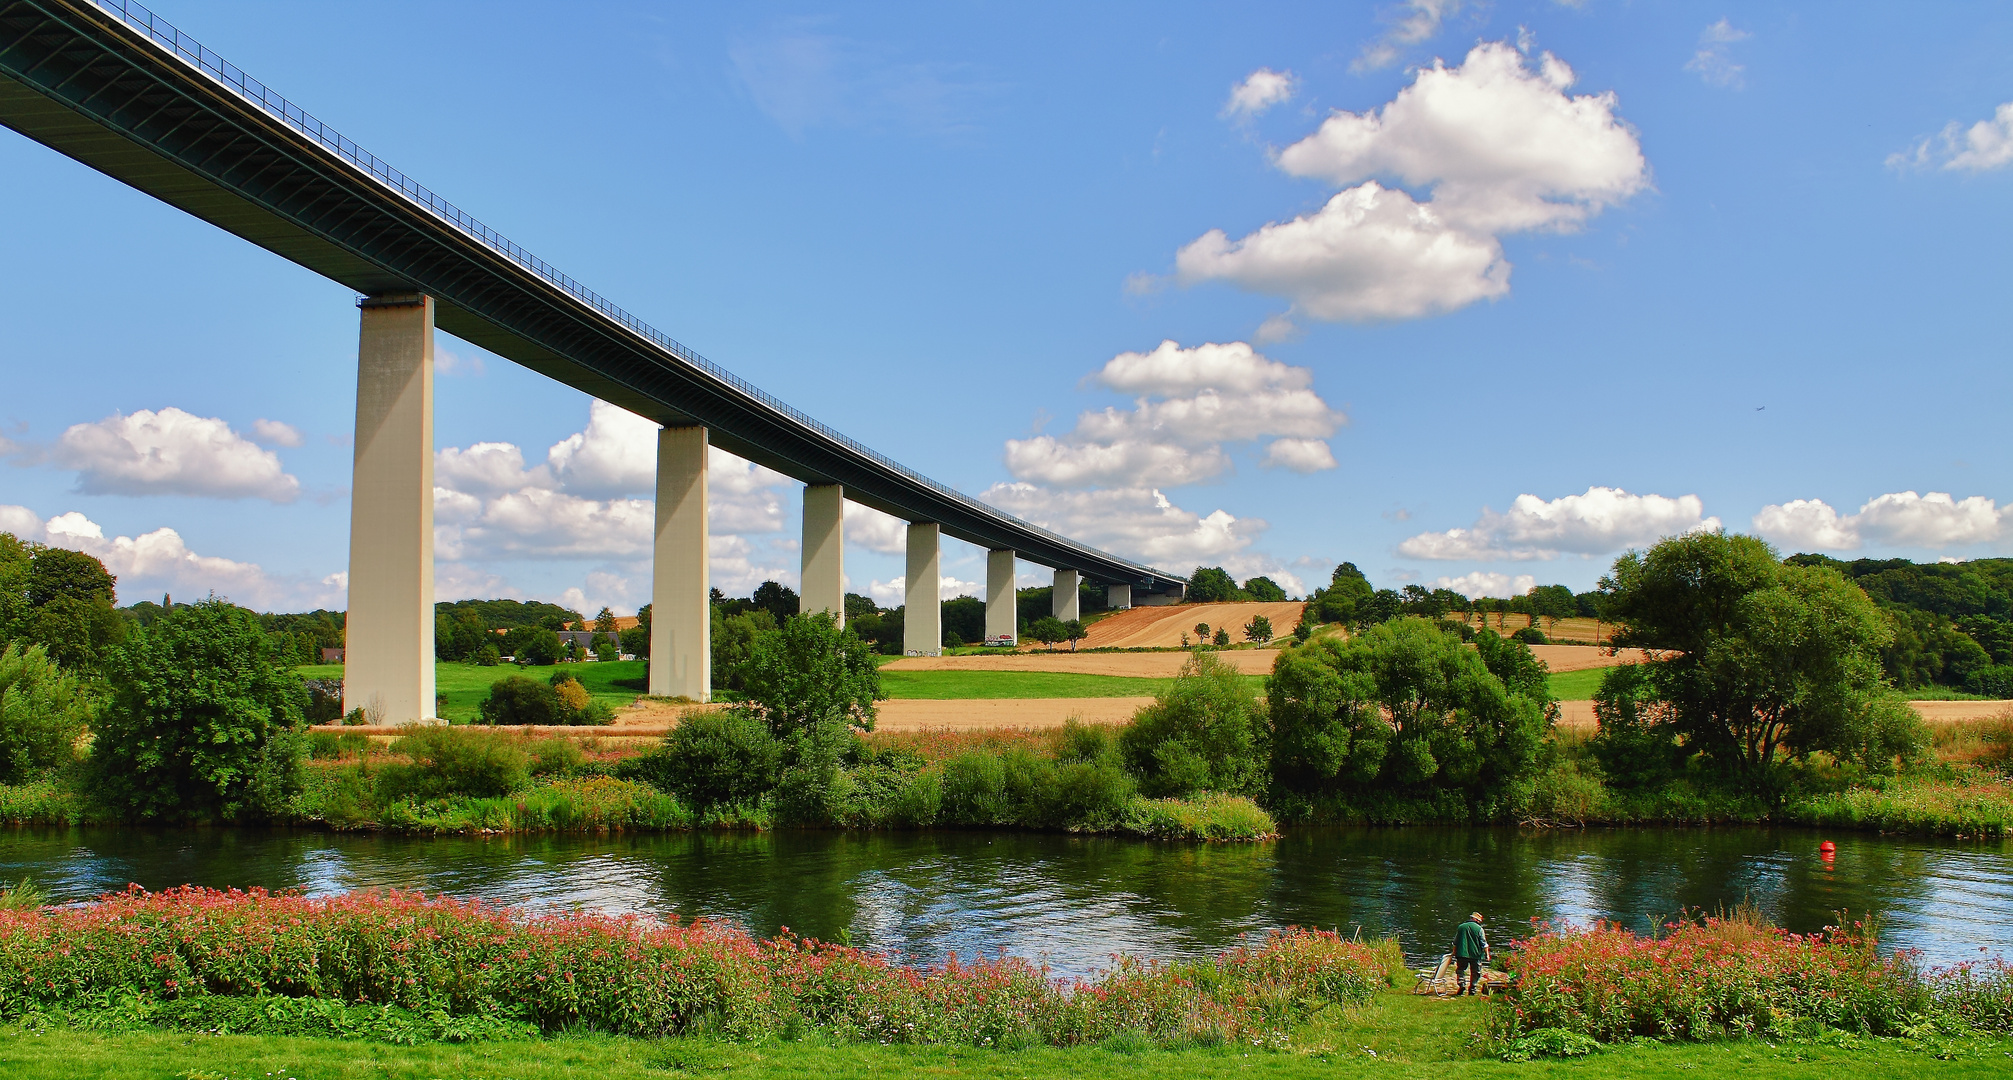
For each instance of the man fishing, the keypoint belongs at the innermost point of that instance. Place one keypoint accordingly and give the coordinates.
(1471, 951)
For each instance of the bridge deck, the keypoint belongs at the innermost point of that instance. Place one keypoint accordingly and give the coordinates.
(108, 83)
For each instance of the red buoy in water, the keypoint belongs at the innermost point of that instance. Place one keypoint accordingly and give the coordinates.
(1827, 847)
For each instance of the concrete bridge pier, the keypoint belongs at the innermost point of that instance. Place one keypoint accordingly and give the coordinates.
(1118, 597)
(1066, 597)
(923, 615)
(824, 579)
(388, 633)
(1002, 608)
(681, 615)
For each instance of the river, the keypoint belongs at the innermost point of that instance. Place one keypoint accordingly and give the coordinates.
(1073, 901)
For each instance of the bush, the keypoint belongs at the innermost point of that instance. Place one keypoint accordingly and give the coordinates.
(712, 759)
(1530, 635)
(488, 656)
(1635, 742)
(454, 761)
(203, 722)
(1203, 733)
(1993, 681)
(556, 757)
(562, 701)
(42, 713)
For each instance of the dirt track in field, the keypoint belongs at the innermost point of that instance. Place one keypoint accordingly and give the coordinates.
(1559, 658)
(1162, 627)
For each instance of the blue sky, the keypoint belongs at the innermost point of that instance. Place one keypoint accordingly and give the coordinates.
(1473, 292)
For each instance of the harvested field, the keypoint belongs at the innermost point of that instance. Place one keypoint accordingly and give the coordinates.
(1130, 665)
(1559, 658)
(996, 714)
(1580, 714)
(1574, 629)
(1162, 627)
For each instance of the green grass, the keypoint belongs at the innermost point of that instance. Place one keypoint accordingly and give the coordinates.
(1398, 1037)
(617, 682)
(962, 685)
(1576, 685)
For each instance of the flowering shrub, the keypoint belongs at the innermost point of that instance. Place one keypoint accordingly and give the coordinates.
(1725, 977)
(1976, 996)
(464, 961)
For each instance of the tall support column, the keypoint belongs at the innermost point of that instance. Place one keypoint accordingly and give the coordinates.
(923, 614)
(388, 633)
(1118, 597)
(1066, 597)
(1002, 608)
(824, 550)
(681, 616)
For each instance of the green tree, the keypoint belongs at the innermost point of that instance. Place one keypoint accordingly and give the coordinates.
(1259, 629)
(1758, 658)
(59, 599)
(636, 639)
(1047, 630)
(1264, 589)
(734, 638)
(534, 645)
(1074, 631)
(15, 560)
(604, 621)
(202, 723)
(1347, 591)
(1203, 734)
(1402, 708)
(1212, 584)
(812, 673)
(780, 601)
(1202, 631)
(1222, 637)
(42, 712)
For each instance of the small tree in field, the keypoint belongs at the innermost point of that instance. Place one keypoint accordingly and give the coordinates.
(1047, 630)
(1259, 629)
(1202, 631)
(1074, 631)
(1222, 637)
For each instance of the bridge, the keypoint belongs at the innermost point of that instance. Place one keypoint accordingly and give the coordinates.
(115, 86)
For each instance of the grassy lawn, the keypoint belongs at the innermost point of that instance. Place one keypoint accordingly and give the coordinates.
(1399, 1036)
(962, 685)
(617, 682)
(1576, 685)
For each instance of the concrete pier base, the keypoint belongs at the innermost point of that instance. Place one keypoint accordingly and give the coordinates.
(923, 614)
(1002, 610)
(388, 633)
(824, 581)
(1118, 597)
(1067, 601)
(681, 615)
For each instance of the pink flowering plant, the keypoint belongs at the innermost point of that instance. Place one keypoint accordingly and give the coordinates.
(1733, 975)
(454, 959)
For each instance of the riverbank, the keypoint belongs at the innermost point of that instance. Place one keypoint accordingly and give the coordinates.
(1397, 1036)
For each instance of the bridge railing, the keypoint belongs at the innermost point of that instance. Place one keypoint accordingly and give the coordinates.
(194, 53)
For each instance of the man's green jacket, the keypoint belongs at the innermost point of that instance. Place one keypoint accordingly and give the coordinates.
(1469, 942)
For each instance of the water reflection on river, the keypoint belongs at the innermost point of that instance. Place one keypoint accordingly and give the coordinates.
(1076, 900)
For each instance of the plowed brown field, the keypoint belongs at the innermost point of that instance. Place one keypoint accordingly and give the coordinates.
(1162, 627)
(1148, 665)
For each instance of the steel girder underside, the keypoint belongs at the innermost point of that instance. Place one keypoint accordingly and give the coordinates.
(154, 111)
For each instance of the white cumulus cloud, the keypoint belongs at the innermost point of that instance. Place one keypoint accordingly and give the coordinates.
(1601, 521)
(1191, 402)
(616, 454)
(1259, 91)
(1713, 62)
(171, 452)
(1482, 583)
(160, 561)
(1493, 146)
(276, 433)
(1138, 523)
(1298, 455)
(1985, 145)
(875, 530)
(1897, 519)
